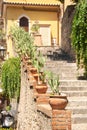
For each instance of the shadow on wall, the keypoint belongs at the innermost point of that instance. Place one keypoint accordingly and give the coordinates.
(66, 30)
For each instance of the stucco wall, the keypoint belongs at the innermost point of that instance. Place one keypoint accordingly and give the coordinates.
(28, 117)
(43, 17)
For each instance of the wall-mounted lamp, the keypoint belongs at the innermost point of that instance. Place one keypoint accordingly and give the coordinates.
(2, 52)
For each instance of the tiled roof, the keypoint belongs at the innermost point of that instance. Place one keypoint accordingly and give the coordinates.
(33, 2)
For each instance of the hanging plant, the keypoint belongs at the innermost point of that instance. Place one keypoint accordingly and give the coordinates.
(79, 34)
(10, 77)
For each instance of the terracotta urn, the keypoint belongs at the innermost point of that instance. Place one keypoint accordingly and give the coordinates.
(58, 101)
(36, 76)
(41, 88)
(32, 80)
(33, 70)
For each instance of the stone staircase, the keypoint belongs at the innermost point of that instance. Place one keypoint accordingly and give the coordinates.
(76, 90)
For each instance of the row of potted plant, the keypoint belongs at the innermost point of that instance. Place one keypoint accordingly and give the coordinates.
(33, 63)
(41, 80)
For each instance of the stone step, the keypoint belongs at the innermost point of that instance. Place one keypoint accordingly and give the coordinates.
(73, 83)
(74, 102)
(76, 90)
(72, 88)
(63, 71)
(72, 94)
(60, 63)
(79, 118)
(68, 77)
(78, 110)
(65, 75)
(81, 126)
(66, 71)
(70, 91)
(61, 67)
(75, 93)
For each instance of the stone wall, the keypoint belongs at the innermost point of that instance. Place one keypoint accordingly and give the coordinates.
(66, 29)
(28, 116)
(34, 110)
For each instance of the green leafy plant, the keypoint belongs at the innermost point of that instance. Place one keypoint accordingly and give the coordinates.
(23, 41)
(53, 81)
(6, 128)
(8, 108)
(39, 62)
(43, 76)
(10, 77)
(79, 34)
(35, 28)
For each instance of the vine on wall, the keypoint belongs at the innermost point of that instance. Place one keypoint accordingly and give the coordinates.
(79, 34)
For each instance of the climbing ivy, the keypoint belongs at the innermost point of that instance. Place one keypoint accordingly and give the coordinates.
(79, 34)
(10, 77)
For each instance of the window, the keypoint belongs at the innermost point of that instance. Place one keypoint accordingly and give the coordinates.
(24, 23)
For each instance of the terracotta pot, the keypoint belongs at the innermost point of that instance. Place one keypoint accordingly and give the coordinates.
(26, 61)
(36, 76)
(58, 102)
(32, 80)
(33, 70)
(41, 88)
(24, 58)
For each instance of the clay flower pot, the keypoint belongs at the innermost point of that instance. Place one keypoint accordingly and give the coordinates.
(32, 80)
(41, 88)
(58, 102)
(36, 76)
(33, 70)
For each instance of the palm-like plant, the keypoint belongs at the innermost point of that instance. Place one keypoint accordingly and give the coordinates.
(53, 81)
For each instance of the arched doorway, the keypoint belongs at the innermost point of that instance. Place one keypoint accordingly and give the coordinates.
(24, 23)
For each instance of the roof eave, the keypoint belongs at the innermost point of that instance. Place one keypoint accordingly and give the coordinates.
(27, 4)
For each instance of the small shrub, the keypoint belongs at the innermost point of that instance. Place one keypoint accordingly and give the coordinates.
(11, 77)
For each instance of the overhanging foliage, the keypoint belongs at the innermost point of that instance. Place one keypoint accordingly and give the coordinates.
(79, 34)
(11, 77)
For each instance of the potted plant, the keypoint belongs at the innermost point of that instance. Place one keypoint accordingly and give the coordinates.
(57, 100)
(24, 42)
(35, 28)
(42, 87)
(38, 63)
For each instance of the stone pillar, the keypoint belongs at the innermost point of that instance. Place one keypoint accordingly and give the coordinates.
(61, 120)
